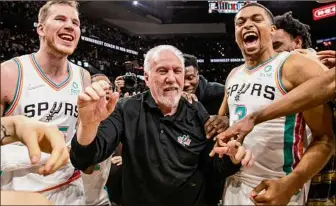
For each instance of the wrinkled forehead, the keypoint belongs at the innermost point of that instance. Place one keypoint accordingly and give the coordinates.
(166, 58)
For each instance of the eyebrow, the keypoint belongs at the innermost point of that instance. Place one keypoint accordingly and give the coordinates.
(253, 16)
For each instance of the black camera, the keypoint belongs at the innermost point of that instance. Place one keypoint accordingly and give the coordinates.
(131, 81)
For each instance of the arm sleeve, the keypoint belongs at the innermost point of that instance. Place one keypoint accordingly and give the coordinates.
(107, 139)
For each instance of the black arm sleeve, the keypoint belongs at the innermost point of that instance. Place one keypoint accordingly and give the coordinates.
(107, 139)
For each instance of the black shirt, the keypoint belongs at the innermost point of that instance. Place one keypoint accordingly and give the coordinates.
(163, 156)
(210, 94)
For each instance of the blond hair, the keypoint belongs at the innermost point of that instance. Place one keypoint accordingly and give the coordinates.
(43, 12)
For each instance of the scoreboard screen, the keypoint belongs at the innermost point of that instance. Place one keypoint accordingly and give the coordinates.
(226, 7)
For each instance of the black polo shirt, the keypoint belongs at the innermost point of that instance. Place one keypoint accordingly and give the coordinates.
(163, 156)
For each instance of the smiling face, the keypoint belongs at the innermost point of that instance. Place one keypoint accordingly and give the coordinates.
(282, 41)
(165, 79)
(60, 29)
(253, 30)
(191, 79)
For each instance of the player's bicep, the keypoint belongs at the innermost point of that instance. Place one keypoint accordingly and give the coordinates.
(9, 78)
(224, 109)
(299, 68)
(319, 120)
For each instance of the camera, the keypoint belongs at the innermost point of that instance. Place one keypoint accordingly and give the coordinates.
(131, 81)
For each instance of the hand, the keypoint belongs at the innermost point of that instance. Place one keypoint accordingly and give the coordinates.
(119, 83)
(239, 130)
(327, 57)
(39, 136)
(277, 192)
(116, 160)
(94, 105)
(189, 97)
(215, 125)
(236, 151)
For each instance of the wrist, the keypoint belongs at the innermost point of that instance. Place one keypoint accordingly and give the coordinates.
(86, 133)
(294, 183)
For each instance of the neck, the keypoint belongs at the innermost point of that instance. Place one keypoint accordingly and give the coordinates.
(255, 60)
(167, 111)
(51, 63)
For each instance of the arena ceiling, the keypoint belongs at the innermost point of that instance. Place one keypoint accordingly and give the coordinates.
(190, 17)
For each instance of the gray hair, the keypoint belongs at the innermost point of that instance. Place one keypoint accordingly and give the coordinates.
(154, 54)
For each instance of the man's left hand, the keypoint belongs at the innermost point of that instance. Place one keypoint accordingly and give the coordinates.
(215, 125)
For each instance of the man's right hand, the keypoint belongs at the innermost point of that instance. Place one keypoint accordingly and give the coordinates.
(189, 97)
(96, 103)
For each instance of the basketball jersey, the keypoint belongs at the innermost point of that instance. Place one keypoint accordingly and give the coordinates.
(94, 183)
(277, 144)
(38, 97)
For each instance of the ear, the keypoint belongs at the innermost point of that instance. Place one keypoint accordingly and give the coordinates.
(273, 29)
(146, 75)
(40, 29)
(298, 42)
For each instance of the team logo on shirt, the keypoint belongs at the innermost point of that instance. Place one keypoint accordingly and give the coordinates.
(184, 140)
(74, 90)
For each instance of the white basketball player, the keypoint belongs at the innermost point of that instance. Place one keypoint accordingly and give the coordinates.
(277, 144)
(45, 86)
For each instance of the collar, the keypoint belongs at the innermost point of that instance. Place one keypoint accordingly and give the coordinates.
(179, 114)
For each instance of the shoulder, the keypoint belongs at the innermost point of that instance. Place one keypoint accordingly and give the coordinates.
(197, 108)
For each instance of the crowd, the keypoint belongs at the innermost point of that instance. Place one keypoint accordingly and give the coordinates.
(154, 146)
(18, 36)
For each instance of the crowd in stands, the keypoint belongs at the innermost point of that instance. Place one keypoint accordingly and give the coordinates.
(18, 36)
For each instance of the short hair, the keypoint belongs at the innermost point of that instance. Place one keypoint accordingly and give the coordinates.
(294, 28)
(154, 54)
(190, 60)
(43, 12)
(268, 12)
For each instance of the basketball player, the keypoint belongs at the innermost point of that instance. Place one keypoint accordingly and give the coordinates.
(265, 77)
(45, 86)
(95, 177)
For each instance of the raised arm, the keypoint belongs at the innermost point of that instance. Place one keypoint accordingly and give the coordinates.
(99, 129)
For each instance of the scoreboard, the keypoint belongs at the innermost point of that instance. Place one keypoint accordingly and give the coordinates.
(226, 7)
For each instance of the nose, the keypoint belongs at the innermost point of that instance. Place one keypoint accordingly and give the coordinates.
(186, 83)
(69, 26)
(248, 24)
(170, 77)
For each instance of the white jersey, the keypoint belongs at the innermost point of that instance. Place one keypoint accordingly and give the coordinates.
(277, 144)
(94, 184)
(40, 98)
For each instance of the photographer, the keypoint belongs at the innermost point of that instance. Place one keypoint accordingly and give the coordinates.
(129, 84)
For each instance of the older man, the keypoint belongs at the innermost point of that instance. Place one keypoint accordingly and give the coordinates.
(162, 134)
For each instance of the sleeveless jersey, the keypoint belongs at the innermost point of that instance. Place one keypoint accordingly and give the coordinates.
(38, 97)
(277, 144)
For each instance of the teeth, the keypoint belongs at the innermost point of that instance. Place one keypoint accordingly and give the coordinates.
(249, 34)
(66, 37)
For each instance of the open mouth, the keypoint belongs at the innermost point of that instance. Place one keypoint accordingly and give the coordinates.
(66, 37)
(170, 89)
(250, 39)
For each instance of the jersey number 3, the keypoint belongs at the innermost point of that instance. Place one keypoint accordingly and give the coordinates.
(240, 112)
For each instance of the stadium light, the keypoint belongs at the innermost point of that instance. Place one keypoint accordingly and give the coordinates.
(135, 3)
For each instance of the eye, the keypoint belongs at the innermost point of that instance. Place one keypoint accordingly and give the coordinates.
(76, 23)
(178, 71)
